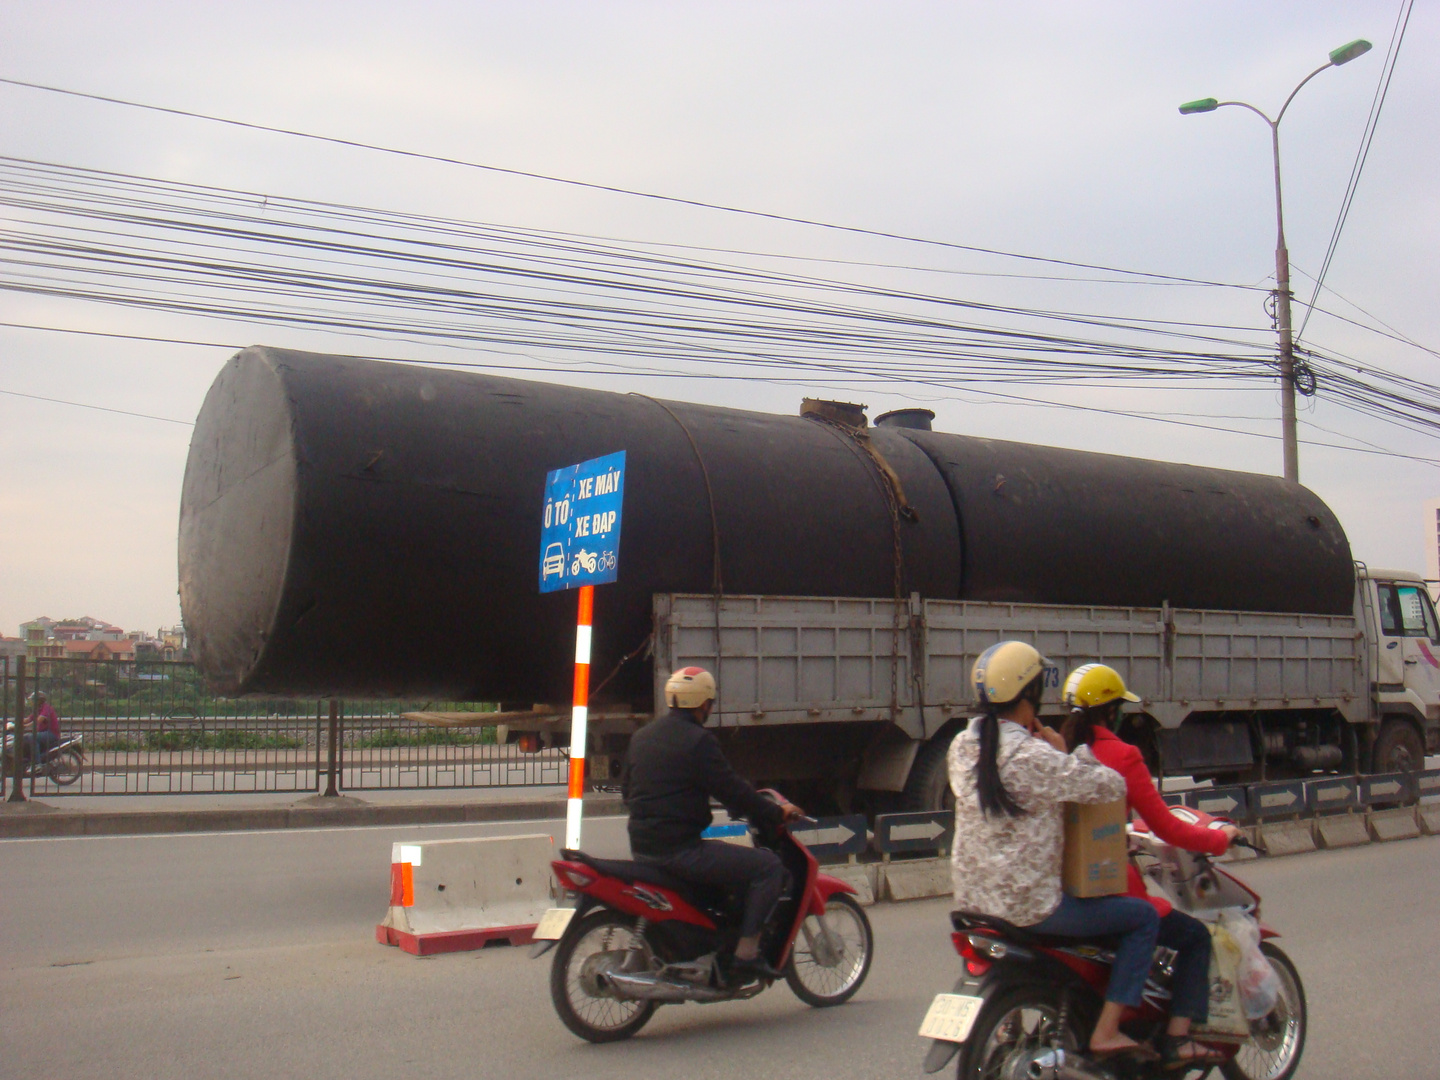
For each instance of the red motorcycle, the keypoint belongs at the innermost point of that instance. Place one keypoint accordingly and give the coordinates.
(639, 937)
(1025, 1003)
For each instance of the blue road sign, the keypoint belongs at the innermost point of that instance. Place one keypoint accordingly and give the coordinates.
(833, 836)
(1385, 788)
(1332, 793)
(1229, 802)
(1427, 784)
(1277, 800)
(926, 830)
(580, 524)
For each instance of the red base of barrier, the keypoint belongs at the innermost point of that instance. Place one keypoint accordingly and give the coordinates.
(453, 940)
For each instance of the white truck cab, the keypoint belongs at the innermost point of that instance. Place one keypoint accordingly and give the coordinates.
(1403, 636)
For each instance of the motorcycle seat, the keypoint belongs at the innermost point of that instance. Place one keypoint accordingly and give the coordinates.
(701, 895)
(974, 920)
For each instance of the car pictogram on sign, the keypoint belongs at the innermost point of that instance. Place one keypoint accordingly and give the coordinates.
(553, 565)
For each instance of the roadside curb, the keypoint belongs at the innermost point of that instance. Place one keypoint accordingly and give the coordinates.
(44, 820)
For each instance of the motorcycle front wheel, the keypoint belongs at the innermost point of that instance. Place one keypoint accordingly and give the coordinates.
(1276, 1042)
(603, 940)
(832, 952)
(65, 768)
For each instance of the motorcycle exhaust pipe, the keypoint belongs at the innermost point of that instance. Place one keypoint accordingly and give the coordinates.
(1055, 1064)
(643, 986)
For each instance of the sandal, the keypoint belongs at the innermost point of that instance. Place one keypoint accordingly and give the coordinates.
(1172, 1054)
(1138, 1052)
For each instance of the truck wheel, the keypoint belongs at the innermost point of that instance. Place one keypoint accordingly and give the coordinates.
(928, 785)
(1399, 747)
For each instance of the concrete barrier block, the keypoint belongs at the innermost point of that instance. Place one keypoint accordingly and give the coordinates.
(449, 895)
(1286, 837)
(1396, 824)
(859, 876)
(1428, 817)
(1342, 830)
(917, 879)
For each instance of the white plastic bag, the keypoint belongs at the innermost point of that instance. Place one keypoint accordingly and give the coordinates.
(1258, 984)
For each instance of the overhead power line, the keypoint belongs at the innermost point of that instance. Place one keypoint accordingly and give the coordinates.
(609, 188)
(1387, 71)
(96, 408)
(1016, 400)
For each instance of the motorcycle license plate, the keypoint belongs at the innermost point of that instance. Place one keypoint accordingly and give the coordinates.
(951, 1017)
(553, 923)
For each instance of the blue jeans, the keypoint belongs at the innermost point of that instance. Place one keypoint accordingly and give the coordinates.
(1190, 985)
(1136, 921)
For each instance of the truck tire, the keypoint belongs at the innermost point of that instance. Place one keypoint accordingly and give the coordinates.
(928, 785)
(1398, 749)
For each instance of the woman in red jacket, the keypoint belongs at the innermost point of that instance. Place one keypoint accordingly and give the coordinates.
(1095, 693)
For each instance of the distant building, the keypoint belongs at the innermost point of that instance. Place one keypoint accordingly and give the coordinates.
(12, 647)
(122, 649)
(47, 639)
(1432, 546)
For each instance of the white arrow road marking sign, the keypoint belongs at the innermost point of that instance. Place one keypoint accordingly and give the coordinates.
(1386, 787)
(1330, 794)
(1278, 798)
(1224, 804)
(924, 830)
(834, 834)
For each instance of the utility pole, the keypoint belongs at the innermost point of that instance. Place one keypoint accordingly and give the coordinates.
(1289, 440)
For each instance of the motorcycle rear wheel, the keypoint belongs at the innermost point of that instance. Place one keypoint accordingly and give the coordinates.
(1273, 1052)
(1018, 1020)
(65, 768)
(823, 984)
(580, 1001)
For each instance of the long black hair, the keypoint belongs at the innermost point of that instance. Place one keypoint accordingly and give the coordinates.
(1079, 727)
(989, 788)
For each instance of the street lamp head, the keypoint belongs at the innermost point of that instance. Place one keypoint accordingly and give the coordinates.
(1346, 53)
(1208, 104)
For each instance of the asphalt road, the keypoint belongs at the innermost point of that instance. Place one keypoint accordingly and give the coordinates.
(252, 955)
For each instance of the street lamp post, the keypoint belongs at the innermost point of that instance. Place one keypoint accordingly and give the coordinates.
(1342, 55)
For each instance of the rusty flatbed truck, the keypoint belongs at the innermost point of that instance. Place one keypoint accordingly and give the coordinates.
(815, 695)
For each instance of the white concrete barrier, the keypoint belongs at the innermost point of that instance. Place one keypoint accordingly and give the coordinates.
(453, 895)
(1287, 837)
(1342, 830)
(1396, 824)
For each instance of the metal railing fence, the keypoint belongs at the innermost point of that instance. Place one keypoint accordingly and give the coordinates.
(151, 727)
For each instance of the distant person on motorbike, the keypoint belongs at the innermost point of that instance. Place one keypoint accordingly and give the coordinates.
(44, 733)
(1095, 692)
(673, 767)
(1010, 775)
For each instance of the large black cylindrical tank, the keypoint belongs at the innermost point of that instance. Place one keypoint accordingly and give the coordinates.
(363, 528)
(1043, 525)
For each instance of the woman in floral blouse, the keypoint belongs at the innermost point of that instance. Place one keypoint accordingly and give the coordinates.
(1010, 775)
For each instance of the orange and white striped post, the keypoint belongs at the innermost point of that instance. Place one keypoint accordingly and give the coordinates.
(579, 715)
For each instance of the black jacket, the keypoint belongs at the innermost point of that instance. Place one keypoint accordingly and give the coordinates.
(672, 769)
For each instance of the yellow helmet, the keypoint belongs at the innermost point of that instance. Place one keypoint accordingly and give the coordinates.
(1003, 670)
(1095, 684)
(689, 688)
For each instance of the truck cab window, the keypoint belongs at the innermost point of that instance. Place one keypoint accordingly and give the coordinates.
(1416, 615)
(1389, 610)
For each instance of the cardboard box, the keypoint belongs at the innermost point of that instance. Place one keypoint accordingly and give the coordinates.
(1096, 850)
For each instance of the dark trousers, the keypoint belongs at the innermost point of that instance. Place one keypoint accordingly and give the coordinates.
(1190, 985)
(716, 863)
(1135, 920)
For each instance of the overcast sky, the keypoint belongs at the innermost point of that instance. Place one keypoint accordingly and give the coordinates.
(1048, 129)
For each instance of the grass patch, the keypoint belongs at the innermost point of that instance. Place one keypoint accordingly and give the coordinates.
(196, 739)
(437, 736)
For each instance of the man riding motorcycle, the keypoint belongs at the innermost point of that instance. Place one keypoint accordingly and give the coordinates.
(673, 767)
